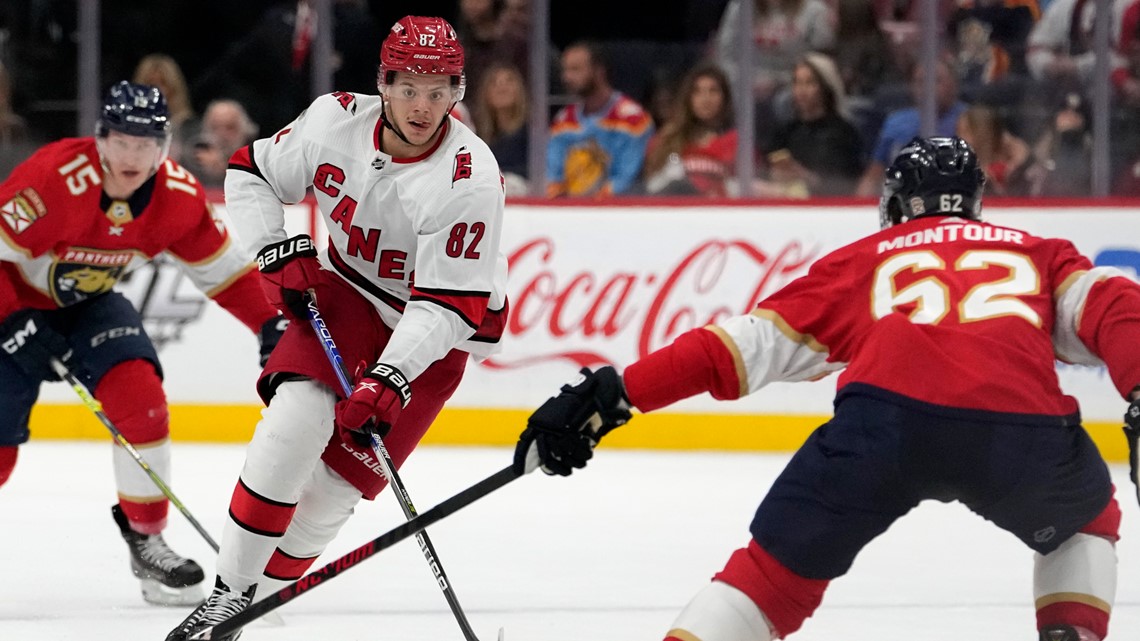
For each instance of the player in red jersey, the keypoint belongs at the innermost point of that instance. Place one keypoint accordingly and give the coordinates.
(946, 328)
(76, 217)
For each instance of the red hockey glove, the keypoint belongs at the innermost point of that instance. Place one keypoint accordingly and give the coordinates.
(374, 405)
(562, 433)
(288, 269)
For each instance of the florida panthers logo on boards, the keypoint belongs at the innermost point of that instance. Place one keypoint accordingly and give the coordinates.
(462, 167)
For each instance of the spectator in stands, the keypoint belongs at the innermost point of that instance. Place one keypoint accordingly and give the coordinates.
(1060, 53)
(1063, 154)
(16, 140)
(597, 143)
(862, 52)
(900, 21)
(267, 70)
(782, 30)
(160, 70)
(1002, 156)
(13, 128)
(1126, 78)
(694, 153)
(819, 151)
(226, 127)
(478, 29)
(1006, 25)
(903, 124)
(501, 121)
(1126, 128)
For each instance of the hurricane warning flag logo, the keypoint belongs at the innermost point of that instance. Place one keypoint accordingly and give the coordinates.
(462, 165)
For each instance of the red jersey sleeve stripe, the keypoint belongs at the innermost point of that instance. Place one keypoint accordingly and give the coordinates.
(243, 160)
(493, 325)
(469, 306)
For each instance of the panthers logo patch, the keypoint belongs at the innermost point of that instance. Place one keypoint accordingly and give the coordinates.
(80, 274)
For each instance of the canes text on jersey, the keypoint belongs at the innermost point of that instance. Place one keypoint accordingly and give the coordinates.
(362, 243)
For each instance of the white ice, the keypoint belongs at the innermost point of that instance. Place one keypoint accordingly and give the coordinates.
(610, 554)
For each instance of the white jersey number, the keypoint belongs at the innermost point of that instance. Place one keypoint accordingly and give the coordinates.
(989, 299)
(79, 174)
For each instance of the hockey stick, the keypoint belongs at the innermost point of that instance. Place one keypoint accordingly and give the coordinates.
(323, 575)
(95, 406)
(388, 467)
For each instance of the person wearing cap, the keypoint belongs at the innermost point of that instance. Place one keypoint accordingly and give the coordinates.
(404, 189)
(819, 152)
(77, 217)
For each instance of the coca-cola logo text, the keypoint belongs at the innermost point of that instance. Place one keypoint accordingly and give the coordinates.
(587, 310)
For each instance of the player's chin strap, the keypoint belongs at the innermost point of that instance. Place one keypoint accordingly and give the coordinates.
(399, 134)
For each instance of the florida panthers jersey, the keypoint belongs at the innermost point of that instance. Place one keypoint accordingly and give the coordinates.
(949, 312)
(419, 237)
(65, 240)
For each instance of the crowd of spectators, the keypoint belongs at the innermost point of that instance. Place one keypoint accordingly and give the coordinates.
(836, 88)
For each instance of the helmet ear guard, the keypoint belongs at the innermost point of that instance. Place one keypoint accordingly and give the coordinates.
(932, 176)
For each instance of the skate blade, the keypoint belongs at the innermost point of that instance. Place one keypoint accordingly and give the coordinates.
(156, 593)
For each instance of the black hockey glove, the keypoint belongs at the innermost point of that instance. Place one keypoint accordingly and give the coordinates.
(562, 433)
(1132, 433)
(271, 332)
(31, 342)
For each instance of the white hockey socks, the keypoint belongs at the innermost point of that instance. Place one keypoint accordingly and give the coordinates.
(720, 612)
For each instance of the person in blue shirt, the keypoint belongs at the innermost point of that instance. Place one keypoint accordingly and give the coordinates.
(597, 144)
(901, 125)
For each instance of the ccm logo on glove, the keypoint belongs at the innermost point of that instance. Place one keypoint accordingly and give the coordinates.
(20, 336)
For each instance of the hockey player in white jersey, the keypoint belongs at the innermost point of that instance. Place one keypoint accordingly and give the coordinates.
(412, 282)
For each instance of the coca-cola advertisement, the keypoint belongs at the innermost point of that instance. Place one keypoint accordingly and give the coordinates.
(590, 285)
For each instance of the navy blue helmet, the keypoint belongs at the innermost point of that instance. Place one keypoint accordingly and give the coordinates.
(135, 110)
(932, 176)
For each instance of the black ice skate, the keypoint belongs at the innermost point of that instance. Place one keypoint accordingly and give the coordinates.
(1067, 633)
(167, 578)
(222, 604)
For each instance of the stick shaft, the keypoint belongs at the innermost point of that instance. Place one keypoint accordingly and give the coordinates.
(384, 541)
(389, 469)
(97, 408)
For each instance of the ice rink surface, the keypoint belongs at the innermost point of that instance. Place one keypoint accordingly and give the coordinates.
(611, 554)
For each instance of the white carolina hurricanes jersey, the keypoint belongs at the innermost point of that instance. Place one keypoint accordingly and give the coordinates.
(419, 237)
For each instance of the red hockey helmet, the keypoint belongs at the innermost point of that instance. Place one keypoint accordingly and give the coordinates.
(418, 44)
